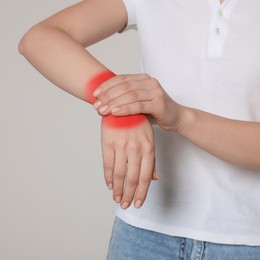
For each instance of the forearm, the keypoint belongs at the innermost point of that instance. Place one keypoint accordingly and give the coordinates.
(60, 59)
(234, 141)
(69, 66)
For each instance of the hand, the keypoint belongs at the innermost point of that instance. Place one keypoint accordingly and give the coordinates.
(135, 94)
(129, 163)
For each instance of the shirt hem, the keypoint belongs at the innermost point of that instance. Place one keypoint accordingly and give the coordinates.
(188, 233)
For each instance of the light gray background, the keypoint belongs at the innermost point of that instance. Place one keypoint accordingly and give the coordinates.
(54, 204)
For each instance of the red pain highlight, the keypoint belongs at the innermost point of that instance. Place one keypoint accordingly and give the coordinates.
(123, 121)
(110, 120)
(95, 82)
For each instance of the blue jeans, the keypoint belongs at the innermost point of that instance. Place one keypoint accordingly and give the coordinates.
(131, 243)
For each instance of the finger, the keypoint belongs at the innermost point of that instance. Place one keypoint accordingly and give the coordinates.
(132, 177)
(102, 88)
(121, 91)
(121, 98)
(108, 164)
(129, 91)
(155, 175)
(119, 174)
(146, 107)
(146, 172)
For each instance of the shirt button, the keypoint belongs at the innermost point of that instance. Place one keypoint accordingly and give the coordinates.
(221, 13)
(218, 30)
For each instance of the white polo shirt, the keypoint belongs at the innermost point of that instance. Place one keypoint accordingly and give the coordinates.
(206, 56)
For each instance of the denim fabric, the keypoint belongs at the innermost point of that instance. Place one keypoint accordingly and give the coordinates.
(131, 243)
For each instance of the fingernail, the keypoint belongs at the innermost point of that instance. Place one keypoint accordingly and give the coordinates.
(96, 92)
(110, 186)
(124, 205)
(138, 204)
(156, 175)
(116, 109)
(118, 199)
(97, 104)
(103, 109)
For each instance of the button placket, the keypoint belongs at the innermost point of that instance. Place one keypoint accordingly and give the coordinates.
(220, 12)
(220, 21)
(218, 30)
(218, 26)
(216, 35)
(221, 24)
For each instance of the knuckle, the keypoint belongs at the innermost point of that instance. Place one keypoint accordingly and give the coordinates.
(107, 97)
(146, 179)
(132, 181)
(153, 82)
(134, 148)
(140, 106)
(149, 148)
(160, 93)
(119, 174)
(121, 143)
(108, 169)
(133, 95)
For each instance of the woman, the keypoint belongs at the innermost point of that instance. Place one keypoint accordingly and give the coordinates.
(200, 87)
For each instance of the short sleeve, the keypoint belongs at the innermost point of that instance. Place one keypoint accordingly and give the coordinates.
(131, 18)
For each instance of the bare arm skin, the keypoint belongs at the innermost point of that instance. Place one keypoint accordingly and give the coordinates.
(56, 48)
(234, 141)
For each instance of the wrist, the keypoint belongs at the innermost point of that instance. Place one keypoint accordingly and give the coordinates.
(186, 120)
(94, 82)
(122, 122)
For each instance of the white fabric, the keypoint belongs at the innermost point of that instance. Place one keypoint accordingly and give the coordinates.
(216, 70)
